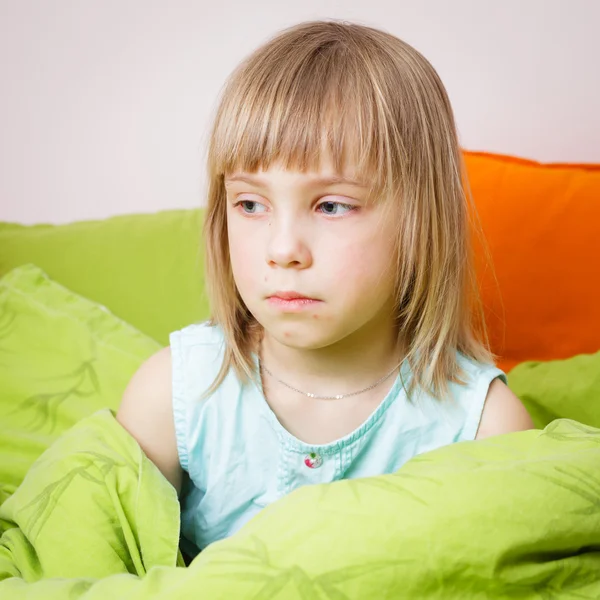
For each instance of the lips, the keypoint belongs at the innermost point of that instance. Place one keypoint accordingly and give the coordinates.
(290, 296)
(292, 302)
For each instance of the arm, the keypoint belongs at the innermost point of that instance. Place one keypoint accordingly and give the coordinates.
(146, 412)
(503, 412)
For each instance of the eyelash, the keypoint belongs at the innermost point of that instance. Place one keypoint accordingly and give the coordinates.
(350, 208)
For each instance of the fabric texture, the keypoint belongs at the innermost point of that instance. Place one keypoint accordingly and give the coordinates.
(554, 389)
(62, 357)
(515, 516)
(542, 226)
(148, 269)
(240, 458)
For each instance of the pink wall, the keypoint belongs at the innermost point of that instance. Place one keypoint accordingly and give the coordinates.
(105, 104)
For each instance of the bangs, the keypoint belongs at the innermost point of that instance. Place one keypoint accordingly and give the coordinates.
(297, 105)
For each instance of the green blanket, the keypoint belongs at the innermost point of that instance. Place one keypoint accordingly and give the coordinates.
(516, 516)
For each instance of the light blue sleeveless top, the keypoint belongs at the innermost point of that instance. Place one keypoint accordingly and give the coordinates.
(239, 458)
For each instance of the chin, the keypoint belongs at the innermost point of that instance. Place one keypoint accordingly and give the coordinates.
(301, 334)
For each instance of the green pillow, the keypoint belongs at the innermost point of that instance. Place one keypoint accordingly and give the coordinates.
(568, 388)
(146, 268)
(62, 357)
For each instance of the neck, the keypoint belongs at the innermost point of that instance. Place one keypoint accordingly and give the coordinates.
(352, 363)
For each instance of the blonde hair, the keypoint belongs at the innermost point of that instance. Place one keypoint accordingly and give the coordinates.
(366, 96)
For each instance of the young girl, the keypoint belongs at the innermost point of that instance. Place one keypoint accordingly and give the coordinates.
(344, 338)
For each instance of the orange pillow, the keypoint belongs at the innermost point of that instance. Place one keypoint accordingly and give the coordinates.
(542, 226)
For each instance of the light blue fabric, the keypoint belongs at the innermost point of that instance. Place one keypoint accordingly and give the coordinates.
(240, 458)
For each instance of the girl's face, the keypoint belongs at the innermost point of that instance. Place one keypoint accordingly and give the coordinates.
(313, 261)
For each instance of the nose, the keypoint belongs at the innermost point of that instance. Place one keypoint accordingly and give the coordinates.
(287, 245)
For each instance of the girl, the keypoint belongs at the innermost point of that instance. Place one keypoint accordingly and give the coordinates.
(345, 337)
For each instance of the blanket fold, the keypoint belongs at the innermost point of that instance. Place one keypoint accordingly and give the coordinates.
(516, 516)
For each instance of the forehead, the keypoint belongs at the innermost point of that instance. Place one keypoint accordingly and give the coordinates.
(279, 174)
(323, 173)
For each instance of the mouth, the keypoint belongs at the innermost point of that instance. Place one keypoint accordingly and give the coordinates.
(291, 301)
(290, 296)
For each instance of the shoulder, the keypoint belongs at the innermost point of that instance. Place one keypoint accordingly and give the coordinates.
(153, 375)
(486, 405)
(150, 386)
(197, 354)
(146, 413)
(503, 412)
(197, 334)
(197, 344)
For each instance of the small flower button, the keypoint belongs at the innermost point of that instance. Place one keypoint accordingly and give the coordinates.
(313, 460)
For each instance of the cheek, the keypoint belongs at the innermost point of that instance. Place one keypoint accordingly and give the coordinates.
(365, 267)
(236, 255)
(244, 257)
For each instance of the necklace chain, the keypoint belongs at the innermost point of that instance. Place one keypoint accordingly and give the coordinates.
(337, 396)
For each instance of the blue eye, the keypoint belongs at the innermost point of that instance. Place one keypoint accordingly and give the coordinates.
(335, 208)
(251, 207)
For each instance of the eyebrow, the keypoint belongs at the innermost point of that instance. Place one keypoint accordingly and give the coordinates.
(316, 181)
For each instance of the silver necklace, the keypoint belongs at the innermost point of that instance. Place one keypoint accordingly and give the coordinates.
(337, 396)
